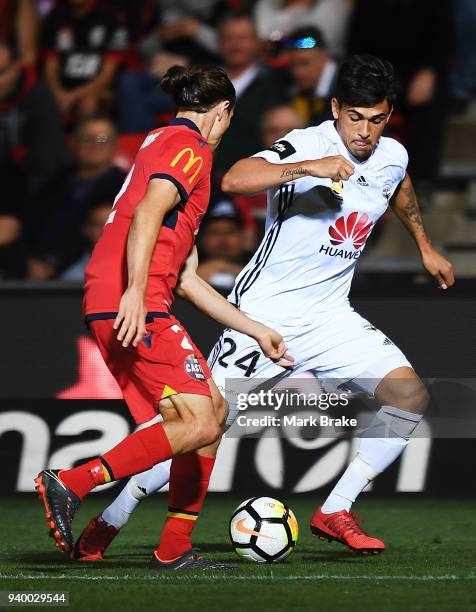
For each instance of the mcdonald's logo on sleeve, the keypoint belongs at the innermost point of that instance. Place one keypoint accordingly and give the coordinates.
(192, 162)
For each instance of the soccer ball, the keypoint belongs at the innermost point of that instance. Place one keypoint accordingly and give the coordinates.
(263, 529)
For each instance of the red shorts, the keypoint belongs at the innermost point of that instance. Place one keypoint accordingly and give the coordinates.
(166, 362)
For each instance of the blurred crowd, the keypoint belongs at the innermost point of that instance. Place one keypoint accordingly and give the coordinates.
(79, 88)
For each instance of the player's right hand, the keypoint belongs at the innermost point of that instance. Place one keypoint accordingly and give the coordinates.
(130, 320)
(335, 167)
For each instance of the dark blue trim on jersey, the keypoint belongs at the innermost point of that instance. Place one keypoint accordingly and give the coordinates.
(104, 316)
(286, 196)
(184, 121)
(171, 218)
(168, 177)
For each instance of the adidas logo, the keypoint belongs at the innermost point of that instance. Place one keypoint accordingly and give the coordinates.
(387, 342)
(362, 181)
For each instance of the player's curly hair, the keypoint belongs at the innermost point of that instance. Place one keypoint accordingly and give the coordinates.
(366, 80)
(198, 88)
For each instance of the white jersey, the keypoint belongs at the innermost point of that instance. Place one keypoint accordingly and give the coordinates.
(315, 229)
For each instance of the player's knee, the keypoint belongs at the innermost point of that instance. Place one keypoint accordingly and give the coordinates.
(207, 433)
(221, 410)
(205, 427)
(214, 435)
(422, 399)
(413, 397)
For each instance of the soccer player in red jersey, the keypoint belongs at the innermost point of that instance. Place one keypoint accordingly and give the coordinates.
(145, 253)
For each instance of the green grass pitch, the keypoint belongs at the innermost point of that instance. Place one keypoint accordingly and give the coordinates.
(430, 562)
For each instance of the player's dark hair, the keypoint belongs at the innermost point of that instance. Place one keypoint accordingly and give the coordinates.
(198, 88)
(366, 80)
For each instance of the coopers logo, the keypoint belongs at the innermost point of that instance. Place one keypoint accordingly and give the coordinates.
(193, 368)
(353, 230)
(191, 161)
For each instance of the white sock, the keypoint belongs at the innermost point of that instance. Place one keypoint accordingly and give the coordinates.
(350, 484)
(373, 456)
(138, 487)
(154, 479)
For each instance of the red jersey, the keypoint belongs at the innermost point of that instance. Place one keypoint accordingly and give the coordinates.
(177, 153)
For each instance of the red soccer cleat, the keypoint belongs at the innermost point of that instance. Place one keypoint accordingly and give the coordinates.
(342, 527)
(94, 540)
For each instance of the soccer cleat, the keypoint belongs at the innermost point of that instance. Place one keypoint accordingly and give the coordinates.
(60, 507)
(92, 543)
(343, 527)
(190, 560)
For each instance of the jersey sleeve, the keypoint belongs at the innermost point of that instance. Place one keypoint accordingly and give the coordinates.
(402, 156)
(397, 165)
(181, 159)
(296, 146)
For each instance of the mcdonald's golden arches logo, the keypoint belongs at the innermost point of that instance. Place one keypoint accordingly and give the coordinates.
(192, 160)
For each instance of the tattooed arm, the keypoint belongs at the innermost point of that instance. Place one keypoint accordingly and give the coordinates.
(255, 174)
(404, 204)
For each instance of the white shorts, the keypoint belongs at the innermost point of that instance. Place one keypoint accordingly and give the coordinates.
(341, 346)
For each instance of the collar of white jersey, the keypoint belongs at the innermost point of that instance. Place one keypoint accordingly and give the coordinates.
(334, 136)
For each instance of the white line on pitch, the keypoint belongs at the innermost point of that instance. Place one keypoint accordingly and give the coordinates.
(227, 577)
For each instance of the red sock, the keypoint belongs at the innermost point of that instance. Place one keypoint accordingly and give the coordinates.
(188, 485)
(136, 453)
(85, 477)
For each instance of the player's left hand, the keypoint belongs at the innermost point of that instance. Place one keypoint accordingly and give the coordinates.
(439, 267)
(273, 346)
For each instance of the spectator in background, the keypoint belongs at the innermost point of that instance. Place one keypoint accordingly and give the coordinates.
(220, 245)
(83, 40)
(418, 45)
(140, 100)
(257, 88)
(276, 18)
(19, 29)
(55, 234)
(30, 126)
(188, 27)
(313, 72)
(279, 121)
(90, 230)
(463, 75)
(12, 252)
(141, 17)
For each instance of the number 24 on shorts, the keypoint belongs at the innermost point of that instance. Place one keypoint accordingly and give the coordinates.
(246, 363)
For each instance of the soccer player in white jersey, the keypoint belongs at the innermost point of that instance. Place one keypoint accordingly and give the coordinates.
(327, 187)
